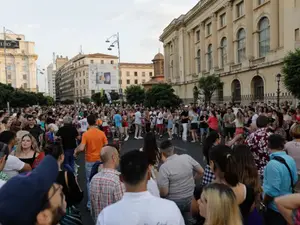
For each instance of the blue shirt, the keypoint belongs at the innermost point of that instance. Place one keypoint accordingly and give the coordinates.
(277, 179)
(118, 120)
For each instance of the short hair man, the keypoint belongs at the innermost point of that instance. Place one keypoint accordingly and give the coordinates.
(106, 187)
(138, 206)
(33, 198)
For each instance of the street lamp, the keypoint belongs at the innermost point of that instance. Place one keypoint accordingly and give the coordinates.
(115, 40)
(278, 78)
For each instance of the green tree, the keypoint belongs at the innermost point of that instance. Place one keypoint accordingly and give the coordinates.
(50, 100)
(135, 94)
(291, 72)
(114, 95)
(208, 85)
(85, 100)
(195, 94)
(162, 95)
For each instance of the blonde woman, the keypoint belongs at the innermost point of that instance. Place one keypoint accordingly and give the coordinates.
(218, 205)
(28, 152)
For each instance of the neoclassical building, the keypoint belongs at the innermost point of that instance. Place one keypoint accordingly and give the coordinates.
(242, 41)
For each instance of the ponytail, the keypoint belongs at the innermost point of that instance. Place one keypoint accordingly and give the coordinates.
(230, 174)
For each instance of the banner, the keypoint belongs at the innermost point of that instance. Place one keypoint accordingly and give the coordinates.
(103, 76)
(9, 44)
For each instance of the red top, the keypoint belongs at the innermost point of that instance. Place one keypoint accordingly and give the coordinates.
(213, 123)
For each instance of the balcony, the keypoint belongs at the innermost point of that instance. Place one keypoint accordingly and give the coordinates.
(257, 61)
(236, 67)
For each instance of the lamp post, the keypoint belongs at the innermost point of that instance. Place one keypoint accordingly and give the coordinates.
(278, 78)
(115, 40)
(4, 47)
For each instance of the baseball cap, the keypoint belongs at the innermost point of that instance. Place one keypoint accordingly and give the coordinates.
(21, 198)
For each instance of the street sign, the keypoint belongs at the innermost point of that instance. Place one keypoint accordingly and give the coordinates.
(10, 44)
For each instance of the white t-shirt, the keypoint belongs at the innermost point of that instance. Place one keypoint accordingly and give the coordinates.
(160, 118)
(13, 166)
(83, 125)
(138, 117)
(139, 209)
(153, 188)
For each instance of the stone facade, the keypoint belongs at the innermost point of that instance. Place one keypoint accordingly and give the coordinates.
(242, 41)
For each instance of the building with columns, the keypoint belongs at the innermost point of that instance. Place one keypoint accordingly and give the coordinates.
(242, 41)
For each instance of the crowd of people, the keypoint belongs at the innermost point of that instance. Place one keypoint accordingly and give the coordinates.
(249, 175)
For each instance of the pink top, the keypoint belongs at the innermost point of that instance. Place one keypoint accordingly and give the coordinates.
(213, 123)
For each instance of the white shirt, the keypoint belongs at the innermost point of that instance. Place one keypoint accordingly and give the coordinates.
(83, 125)
(160, 118)
(139, 209)
(13, 166)
(153, 188)
(138, 117)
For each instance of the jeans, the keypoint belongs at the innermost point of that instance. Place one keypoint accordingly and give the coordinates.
(184, 206)
(69, 160)
(88, 169)
(184, 132)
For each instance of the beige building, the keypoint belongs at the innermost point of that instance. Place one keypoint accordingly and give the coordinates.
(20, 62)
(242, 41)
(135, 74)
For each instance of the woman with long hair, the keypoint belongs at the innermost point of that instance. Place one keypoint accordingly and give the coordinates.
(194, 124)
(218, 205)
(224, 166)
(28, 151)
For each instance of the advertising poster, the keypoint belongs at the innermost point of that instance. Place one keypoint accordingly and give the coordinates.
(103, 76)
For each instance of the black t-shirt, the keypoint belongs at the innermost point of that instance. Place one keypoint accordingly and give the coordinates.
(68, 134)
(35, 131)
(185, 114)
(203, 124)
(50, 120)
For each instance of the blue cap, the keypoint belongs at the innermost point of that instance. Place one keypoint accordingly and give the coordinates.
(21, 198)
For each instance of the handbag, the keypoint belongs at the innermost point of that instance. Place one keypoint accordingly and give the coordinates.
(72, 216)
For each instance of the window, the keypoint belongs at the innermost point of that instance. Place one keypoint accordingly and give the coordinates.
(198, 59)
(76, 83)
(135, 74)
(84, 91)
(264, 37)
(25, 85)
(241, 45)
(24, 77)
(80, 92)
(198, 35)
(150, 74)
(209, 57)
(208, 29)
(112, 62)
(127, 73)
(261, 2)
(80, 82)
(240, 9)
(223, 20)
(171, 49)
(92, 61)
(143, 81)
(143, 74)
(102, 61)
(223, 52)
(135, 81)
(83, 81)
(9, 76)
(120, 81)
(128, 81)
(297, 35)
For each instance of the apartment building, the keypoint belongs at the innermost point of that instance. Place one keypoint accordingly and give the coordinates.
(242, 41)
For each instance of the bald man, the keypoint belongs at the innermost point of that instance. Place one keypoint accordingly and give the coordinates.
(106, 187)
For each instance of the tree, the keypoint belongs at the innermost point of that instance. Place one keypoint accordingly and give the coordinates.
(135, 94)
(162, 95)
(291, 72)
(114, 95)
(85, 100)
(208, 85)
(195, 94)
(50, 100)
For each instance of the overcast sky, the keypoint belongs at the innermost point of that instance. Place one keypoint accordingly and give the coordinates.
(61, 26)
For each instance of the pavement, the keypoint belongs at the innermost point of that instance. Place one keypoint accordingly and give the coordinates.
(192, 149)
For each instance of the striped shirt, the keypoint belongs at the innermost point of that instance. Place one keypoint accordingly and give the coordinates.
(105, 189)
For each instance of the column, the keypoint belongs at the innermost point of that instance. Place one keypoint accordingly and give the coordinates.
(215, 41)
(249, 28)
(229, 22)
(166, 62)
(192, 53)
(274, 25)
(189, 59)
(202, 44)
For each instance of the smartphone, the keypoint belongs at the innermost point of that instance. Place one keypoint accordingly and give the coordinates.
(2, 154)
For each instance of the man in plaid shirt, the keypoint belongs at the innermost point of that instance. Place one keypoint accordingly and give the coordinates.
(106, 187)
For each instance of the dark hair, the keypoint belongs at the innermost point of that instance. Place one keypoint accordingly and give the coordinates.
(262, 121)
(29, 116)
(276, 142)
(209, 142)
(7, 136)
(246, 167)
(224, 160)
(91, 119)
(280, 119)
(5, 120)
(4, 148)
(166, 144)
(133, 166)
(151, 149)
(214, 113)
(54, 149)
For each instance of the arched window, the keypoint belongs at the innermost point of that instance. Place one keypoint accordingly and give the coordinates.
(241, 45)
(223, 52)
(264, 36)
(198, 58)
(209, 57)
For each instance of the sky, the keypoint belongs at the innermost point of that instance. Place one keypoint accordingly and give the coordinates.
(62, 26)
